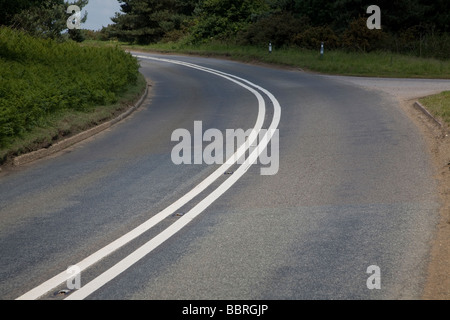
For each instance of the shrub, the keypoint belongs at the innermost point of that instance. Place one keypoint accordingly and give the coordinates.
(359, 37)
(279, 29)
(312, 37)
(40, 77)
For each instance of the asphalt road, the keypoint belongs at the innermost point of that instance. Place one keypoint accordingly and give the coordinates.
(354, 189)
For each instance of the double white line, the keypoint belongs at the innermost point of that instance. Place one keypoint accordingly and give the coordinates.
(145, 249)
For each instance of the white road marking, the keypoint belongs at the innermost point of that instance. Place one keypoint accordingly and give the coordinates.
(142, 251)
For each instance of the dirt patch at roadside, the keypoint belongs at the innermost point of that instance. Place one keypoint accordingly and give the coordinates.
(438, 140)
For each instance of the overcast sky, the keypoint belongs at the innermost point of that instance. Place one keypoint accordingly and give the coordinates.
(100, 13)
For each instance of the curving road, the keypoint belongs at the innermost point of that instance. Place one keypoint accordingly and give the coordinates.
(354, 189)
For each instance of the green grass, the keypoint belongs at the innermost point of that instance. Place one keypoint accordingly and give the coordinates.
(373, 64)
(438, 105)
(50, 89)
(67, 123)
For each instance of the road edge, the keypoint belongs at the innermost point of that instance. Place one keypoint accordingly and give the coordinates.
(437, 137)
(437, 285)
(420, 107)
(63, 144)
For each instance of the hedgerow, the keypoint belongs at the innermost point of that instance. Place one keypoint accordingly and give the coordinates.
(40, 77)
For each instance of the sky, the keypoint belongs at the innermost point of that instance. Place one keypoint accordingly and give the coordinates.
(100, 13)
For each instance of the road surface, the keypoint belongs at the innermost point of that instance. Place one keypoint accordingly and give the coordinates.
(354, 190)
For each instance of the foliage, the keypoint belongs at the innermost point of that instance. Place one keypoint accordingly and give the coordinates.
(8, 9)
(39, 77)
(312, 37)
(146, 21)
(303, 23)
(360, 38)
(278, 29)
(45, 19)
(225, 18)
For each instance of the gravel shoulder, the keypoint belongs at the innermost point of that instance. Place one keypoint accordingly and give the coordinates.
(407, 91)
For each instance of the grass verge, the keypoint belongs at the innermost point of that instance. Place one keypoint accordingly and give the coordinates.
(67, 123)
(438, 105)
(50, 89)
(373, 64)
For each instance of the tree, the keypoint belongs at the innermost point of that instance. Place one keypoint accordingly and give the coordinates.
(8, 9)
(45, 19)
(284, 22)
(225, 18)
(146, 21)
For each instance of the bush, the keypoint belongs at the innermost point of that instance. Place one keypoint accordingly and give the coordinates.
(40, 77)
(278, 29)
(312, 37)
(77, 35)
(359, 37)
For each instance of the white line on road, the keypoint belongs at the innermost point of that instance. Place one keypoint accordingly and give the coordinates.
(142, 251)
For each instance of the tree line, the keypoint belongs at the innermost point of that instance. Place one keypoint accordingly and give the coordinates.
(419, 27)
(409, 26)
